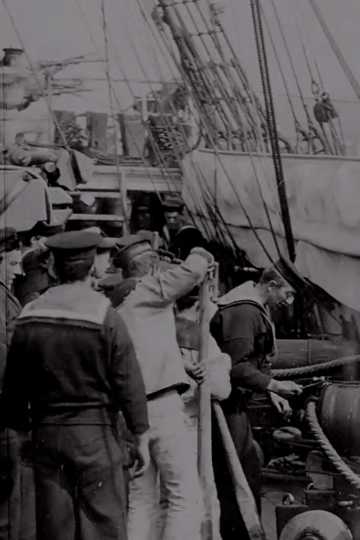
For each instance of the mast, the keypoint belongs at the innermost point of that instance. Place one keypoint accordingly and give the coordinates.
(272, 126)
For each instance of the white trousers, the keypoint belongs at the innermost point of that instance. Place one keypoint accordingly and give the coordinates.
(173, 470)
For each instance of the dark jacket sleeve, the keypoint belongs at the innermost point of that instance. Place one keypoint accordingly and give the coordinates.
(238, 331)
(14, 402)
(126, 378)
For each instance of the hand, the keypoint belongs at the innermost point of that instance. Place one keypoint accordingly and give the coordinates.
(284, 388)
(197, 372)
(193, 367)
(281, 405)
(141, 457)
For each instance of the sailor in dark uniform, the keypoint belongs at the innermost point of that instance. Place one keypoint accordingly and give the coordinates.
(10, 499)
(78, 369)
(243, 329)
(179, 235)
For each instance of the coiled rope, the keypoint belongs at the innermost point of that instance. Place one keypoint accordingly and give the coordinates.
(285, 373)
(327, 447)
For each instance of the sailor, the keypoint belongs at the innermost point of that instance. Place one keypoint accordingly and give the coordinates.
(148, 314)
(78, 369)
(37, 264)
(10, 499)
(243, 329)
(180, 236)
(10, 268)
(103, 256)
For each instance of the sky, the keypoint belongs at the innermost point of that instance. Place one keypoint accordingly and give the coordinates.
(57, 29)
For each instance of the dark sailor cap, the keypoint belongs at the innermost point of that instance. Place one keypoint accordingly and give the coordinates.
(73, 244)
(8, 239)
(131, 246)
(172, 203)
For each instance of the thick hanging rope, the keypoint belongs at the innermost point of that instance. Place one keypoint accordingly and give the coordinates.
(271, 121)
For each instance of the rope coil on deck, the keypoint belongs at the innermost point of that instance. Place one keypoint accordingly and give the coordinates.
(327, 447)
(344, 361)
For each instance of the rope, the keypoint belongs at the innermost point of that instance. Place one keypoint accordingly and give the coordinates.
(168, 125)
(336, 49)
(327, 447)
(287, 91)
(311, 127)
(248, 149)
(220, 161)
(284, 373)
(271, 122)
(260, 191)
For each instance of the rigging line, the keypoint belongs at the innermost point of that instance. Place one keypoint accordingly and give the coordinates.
(336, 49)
(286, 86)
(225, 222)
(319, 74)
(234, 112)
(93, 41)
(148, 169)
(239, 70)
(302, 32)
(254, 99)
(202, 72)
(172, 106)
(240, 204)
(199, 172)
(219, 159)
(212, 33)
(267, 213)
(229, 100)
(34, 72)
(282, 33)
(154, 142)
(318, 87)
(242, 74)
(271, 119)
(112, 112)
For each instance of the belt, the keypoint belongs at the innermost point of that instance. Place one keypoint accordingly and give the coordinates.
(163, 392)
(75, 415)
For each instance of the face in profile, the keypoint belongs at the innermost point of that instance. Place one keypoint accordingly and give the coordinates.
(10, 267)
(280, 294)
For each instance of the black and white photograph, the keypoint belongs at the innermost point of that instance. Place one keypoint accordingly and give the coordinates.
(179, 270)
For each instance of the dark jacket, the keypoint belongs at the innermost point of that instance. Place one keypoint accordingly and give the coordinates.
(72, 360)
(9, 311)
(243, 330)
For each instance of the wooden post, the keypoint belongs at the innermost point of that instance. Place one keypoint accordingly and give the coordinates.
(243, 493)
(204, 426)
